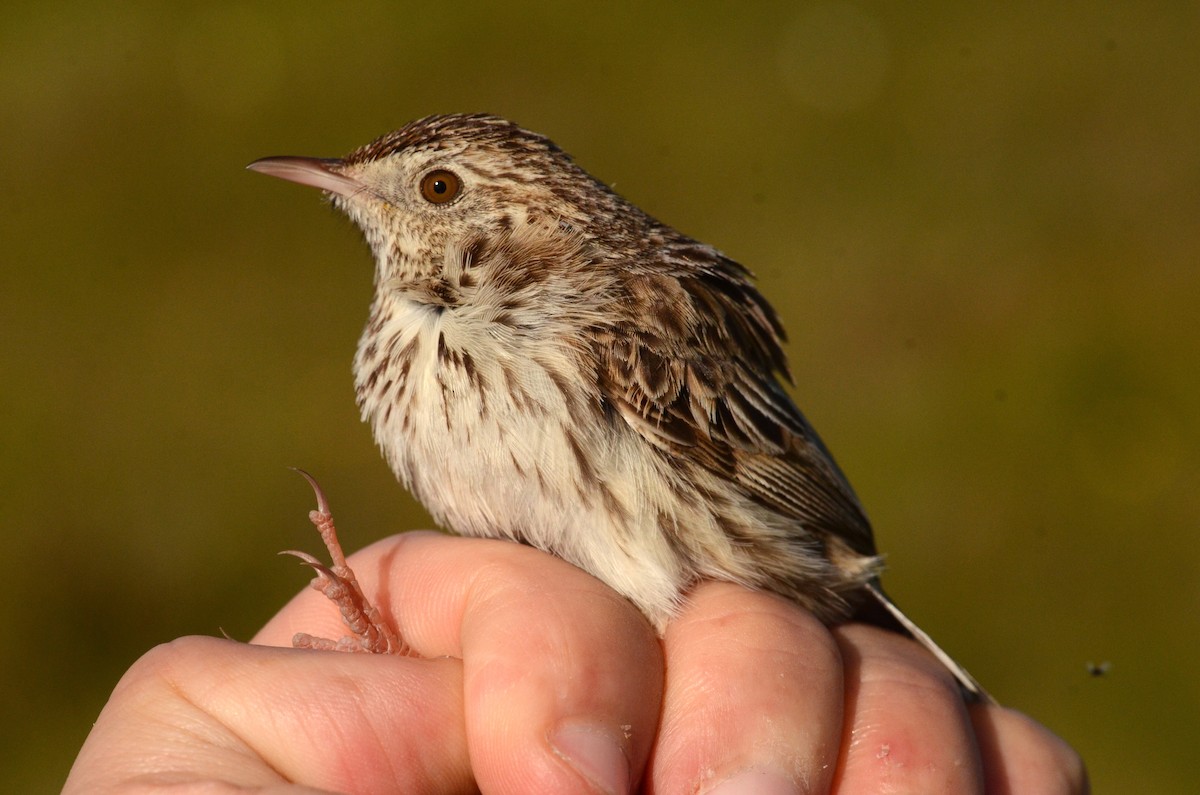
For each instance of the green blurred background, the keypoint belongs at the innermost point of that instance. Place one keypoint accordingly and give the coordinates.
(978, 221)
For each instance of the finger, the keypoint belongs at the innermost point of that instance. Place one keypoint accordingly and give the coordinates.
(1019, 755)
(562, 677)
(907, 728)
(753, 701)
(203, 711)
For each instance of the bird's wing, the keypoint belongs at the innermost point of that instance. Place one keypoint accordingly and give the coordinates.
(696, 376)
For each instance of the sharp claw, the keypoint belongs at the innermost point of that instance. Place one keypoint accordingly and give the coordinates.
(308, 560)
(339, 585)
(304, 556)
(322, 503)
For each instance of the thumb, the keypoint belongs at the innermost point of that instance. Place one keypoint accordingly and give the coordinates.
(205, 710)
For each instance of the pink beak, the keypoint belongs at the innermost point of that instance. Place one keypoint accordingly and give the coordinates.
(313, 171)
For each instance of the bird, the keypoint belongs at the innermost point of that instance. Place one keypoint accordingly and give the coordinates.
(545, 362)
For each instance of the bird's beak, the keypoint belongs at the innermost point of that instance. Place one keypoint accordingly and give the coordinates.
(313, 171)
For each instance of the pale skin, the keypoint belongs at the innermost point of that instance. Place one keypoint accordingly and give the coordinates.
(535, 677)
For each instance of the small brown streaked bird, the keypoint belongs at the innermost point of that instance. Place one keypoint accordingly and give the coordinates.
(545, 362)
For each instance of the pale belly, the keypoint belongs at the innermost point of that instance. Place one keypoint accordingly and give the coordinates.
(496, 447)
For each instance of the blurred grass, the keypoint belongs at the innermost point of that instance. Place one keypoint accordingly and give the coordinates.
(980, 224)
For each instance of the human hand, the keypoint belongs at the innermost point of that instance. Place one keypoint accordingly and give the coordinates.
(535, 677)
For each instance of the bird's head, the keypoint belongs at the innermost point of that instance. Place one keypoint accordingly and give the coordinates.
(434, 196)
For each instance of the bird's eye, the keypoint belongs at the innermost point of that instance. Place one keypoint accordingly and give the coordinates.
(440, 186)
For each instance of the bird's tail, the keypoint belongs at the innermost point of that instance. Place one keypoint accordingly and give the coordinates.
(893, 617)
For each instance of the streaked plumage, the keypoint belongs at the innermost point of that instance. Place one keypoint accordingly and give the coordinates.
(545, 362)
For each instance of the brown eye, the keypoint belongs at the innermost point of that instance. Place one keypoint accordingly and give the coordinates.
(441, 186)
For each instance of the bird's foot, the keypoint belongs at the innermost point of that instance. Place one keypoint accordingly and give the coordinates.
(370, 631)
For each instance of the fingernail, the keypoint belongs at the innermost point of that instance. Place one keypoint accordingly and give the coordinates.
(595, 755)
(756, 782)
